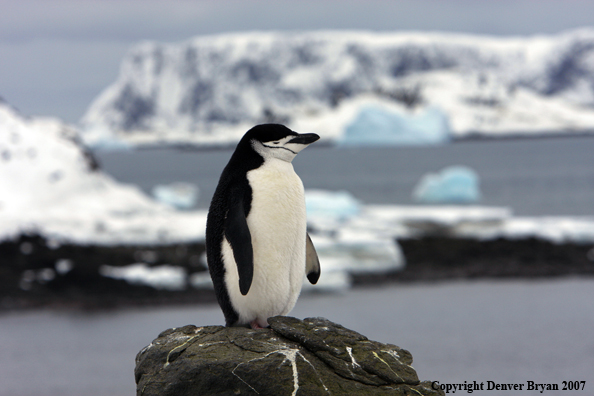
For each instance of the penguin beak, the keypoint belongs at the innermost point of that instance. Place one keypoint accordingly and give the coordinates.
(304, 138)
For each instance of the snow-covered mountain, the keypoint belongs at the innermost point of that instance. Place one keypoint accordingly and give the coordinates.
(211, 89)
(50, 184)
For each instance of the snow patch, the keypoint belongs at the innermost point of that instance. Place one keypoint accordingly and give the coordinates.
(166, 277)
(51, 185)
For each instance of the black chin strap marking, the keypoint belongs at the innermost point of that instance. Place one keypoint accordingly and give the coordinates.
(284, 148)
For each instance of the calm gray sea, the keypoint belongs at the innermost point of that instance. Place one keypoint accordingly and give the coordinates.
(540, 176)
(501, 331)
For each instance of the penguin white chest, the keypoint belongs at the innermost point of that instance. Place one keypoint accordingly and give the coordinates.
(277, 224)
(277, 211)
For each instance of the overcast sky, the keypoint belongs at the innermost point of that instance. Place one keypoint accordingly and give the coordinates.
(57, 55)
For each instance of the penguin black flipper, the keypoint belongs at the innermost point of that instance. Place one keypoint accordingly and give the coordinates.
(312, 263)
(238, 234)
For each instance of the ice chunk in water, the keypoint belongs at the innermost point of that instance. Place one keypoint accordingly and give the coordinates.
(179, 195)
(338, 205)
(167, 277)
(454, 184)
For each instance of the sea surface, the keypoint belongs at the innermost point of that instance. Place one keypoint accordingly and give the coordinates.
(535, 177)
(500, 331)
(505, 331)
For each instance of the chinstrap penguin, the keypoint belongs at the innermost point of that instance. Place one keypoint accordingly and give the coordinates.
(257, 245)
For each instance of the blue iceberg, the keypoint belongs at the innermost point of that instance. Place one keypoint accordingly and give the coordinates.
(376, 126)
(337, 205)
(454, 185)
(179, 195)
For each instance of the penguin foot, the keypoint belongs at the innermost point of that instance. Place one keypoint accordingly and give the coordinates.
(255, 325)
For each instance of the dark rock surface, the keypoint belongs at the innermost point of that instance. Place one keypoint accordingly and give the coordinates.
(449, 257)
(313, 356)
(25, 259)
(433, 258)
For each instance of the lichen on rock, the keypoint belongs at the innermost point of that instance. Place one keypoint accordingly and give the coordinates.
(313, 356)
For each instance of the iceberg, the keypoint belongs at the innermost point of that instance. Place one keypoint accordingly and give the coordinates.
(344, 244)
(339, 205)
(179, 195)
(358, 250)
(454, 184)
(377, 126)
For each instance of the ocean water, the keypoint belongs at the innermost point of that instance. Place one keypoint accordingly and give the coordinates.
(535, 177)
(500, 331)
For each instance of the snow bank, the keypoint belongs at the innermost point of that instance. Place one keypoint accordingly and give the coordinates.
(353, 238)
(350, 242)
(50, 185)
(166, 277)
(386, 222)
(480, 222)
(557, 229)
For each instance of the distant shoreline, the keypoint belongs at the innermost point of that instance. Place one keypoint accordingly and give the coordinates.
(470, 137)
(429, 259)
(480, 137)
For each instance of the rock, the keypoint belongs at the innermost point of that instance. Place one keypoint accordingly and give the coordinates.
(313, 356)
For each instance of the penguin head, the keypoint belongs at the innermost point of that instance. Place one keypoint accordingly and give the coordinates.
(278, 141)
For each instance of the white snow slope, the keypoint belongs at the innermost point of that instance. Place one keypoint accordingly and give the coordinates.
(211, 89)
(50, 186)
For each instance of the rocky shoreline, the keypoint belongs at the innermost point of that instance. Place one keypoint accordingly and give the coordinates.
(31, 276)
(436, 258)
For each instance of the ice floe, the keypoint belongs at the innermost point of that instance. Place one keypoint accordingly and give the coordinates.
(365, 240)
(454, 184)
(331, 205)
(179, 195)
(166, 277)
